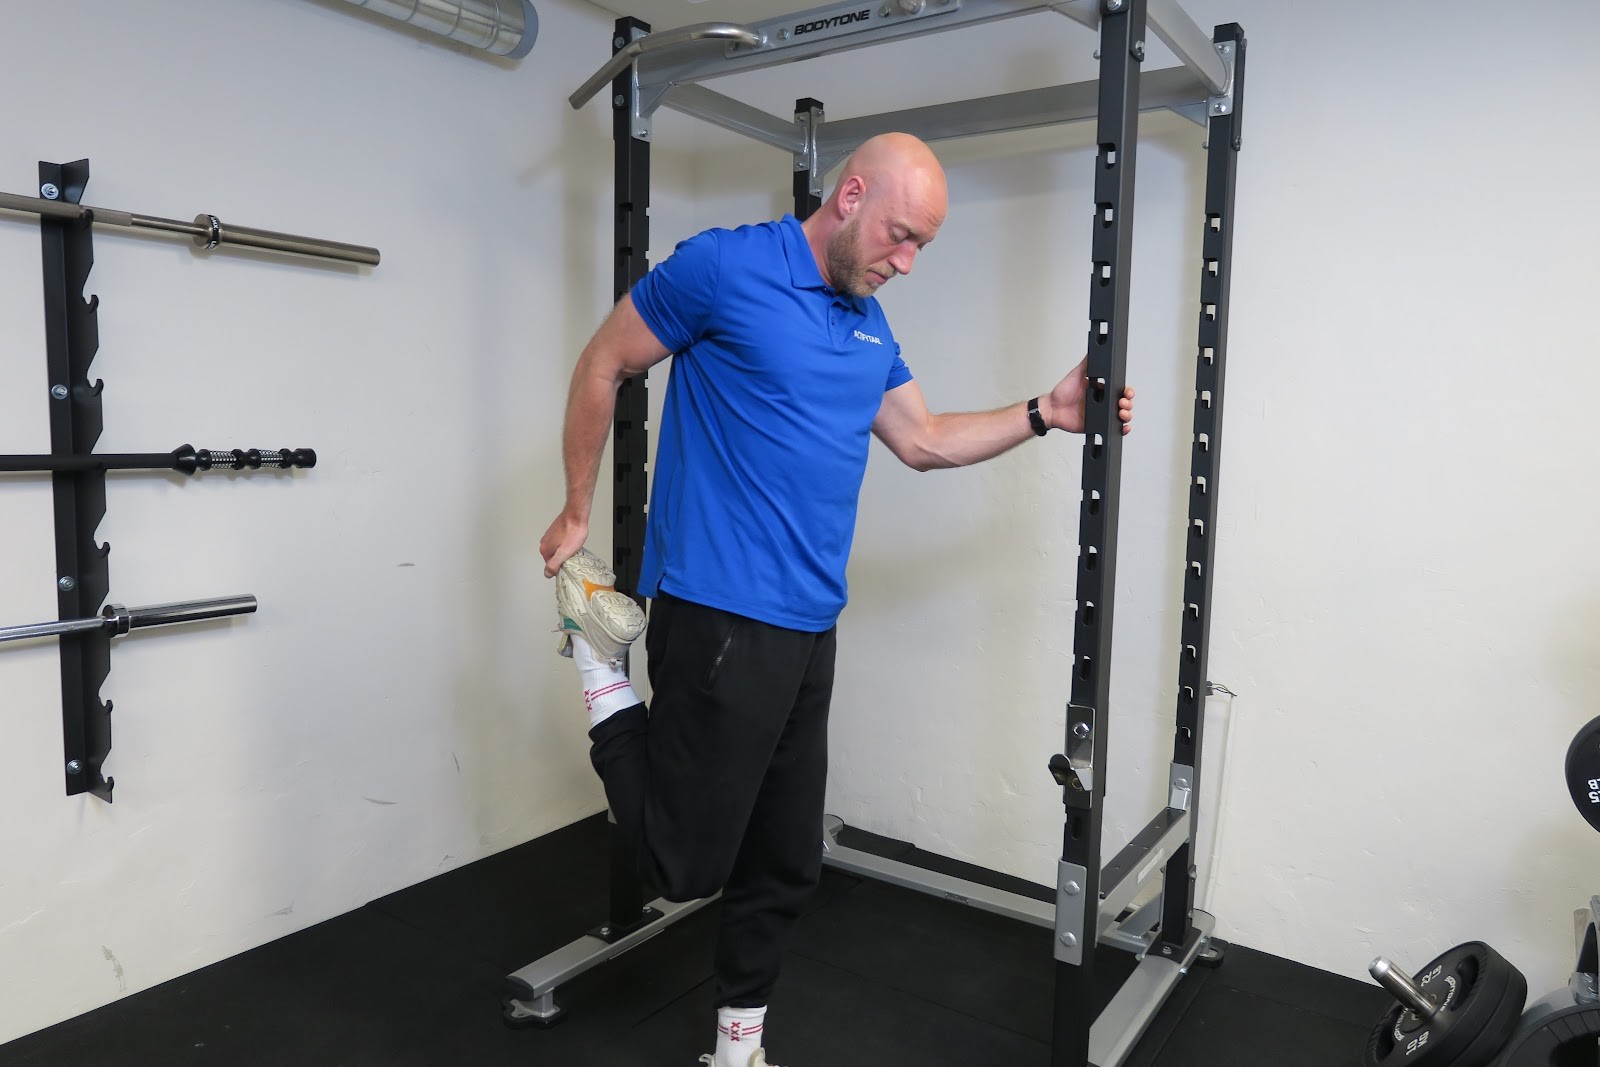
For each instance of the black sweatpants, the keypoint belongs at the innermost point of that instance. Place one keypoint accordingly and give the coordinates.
(719, 786)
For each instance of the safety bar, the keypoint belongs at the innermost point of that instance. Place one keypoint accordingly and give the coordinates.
(659, 42)
(1176, 89)
(117, 620)
(710, 106)
(208, 231)
(1189, 43)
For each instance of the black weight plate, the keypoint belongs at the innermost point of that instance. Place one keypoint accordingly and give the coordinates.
(1583, 772)
(1477, 1010)
(1481, 978)
(1381, 1050)
(1471, 981)
(1496, 1033)
(1402, 1037)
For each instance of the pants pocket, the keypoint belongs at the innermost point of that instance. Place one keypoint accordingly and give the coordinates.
(724, 649)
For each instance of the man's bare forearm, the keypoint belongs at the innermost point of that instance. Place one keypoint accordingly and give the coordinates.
(591, 408)
(960, 439)
(620, 349)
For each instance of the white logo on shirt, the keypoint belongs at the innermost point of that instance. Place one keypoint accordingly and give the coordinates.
(867, 337)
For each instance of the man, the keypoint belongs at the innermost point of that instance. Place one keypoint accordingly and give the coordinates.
(785, 364)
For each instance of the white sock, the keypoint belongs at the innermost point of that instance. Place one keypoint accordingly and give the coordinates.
(606, 689)
(738, 1035)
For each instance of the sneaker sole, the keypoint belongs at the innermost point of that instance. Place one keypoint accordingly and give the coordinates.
(617, 618)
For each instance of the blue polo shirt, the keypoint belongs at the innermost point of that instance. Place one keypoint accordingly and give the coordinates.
(775, 381)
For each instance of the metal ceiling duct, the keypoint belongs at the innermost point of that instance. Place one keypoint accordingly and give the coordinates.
(501, 27)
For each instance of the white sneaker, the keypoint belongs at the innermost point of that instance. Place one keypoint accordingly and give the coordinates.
(587, 603)
(758, 1058)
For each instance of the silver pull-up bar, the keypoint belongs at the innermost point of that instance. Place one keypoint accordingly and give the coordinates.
(117, 620)
(664, 69)
(208, 231)
(657, 42)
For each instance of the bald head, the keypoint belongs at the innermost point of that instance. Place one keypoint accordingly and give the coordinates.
(897, 161)
(888, 203)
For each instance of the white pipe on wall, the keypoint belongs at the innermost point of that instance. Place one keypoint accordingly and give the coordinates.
(502, 27)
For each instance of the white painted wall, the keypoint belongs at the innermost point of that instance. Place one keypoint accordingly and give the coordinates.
(394, 709)
(1408, 605)
(1408, 601)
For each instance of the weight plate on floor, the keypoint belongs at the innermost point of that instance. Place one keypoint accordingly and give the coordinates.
(1497, 1033)
(1564, 1037)
(1480, 996)
(1583, 772)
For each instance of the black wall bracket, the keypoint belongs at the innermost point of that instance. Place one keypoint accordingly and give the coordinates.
(72, 338)
(78, 478)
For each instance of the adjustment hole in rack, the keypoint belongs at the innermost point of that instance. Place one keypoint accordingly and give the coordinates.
(1209, 355)
(1108, 153)
(1107, 213)
(1088, 614)
(1091, 557)
(1102, 274)
(1214, 223)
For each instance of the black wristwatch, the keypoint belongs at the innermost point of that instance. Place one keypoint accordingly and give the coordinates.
(1036, 420)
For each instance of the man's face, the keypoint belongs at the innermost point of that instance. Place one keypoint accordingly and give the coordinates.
(881, 240)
